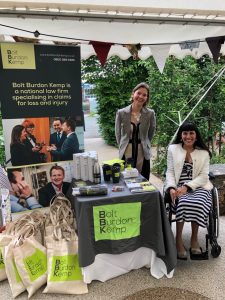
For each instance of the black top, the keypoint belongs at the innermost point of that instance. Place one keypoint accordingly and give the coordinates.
(46, 193)
(36, 157)
(20, 155)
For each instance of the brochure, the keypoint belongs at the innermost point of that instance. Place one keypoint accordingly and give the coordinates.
(137, 185)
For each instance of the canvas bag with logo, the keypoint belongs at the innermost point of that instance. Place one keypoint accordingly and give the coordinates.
(64, 272)
(31, 262)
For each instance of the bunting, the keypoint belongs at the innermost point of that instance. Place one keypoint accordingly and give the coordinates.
(159, 51)
(160, 54)
(133, 49)
(20, 39)
(214, 44)
(101, 50)
(190, 45)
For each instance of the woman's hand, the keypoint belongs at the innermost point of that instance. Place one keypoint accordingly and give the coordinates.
(36, 149)
(182, 190)
(173, 194)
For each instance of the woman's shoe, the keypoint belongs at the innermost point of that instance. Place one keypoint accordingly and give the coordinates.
(182, 255)
(197, 254)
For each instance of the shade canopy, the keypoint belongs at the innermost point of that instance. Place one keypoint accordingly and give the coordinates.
(160, 27)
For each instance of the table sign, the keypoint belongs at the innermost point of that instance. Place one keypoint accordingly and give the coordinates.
(117, 221)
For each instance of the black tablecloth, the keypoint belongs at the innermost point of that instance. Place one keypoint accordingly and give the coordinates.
(155, 231)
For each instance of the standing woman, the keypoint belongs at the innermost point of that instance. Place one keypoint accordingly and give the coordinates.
(19, 154)
(188, 183)
(135, 127)
(31, 144)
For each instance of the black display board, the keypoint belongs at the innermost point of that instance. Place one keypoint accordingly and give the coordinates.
(43, 82)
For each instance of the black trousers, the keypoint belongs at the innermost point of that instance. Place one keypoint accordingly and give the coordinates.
(145, 171)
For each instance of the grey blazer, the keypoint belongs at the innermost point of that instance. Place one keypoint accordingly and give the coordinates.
(146, 129)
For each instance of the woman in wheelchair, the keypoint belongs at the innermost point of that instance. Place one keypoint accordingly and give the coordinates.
(188, 184)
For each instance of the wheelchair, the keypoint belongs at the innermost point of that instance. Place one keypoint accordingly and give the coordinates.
(213, 220)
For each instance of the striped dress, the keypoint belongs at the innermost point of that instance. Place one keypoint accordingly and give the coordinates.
(193, 206)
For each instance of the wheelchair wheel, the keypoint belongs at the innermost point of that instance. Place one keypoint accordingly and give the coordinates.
(215, 251)
(215, 210)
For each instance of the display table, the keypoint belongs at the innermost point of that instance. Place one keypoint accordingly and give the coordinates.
(123, 231)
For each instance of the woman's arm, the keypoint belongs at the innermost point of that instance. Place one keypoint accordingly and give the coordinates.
(118, 127)
(170, 172)
(152, 126)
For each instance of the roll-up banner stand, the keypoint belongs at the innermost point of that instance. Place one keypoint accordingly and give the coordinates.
(39, 84)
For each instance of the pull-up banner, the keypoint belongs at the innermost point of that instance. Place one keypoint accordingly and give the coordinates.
(40, 81)
(40, 89)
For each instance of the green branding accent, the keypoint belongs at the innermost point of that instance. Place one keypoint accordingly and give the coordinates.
(18, 278)
(108, 172)
(36, 264)
(2, 265)
(18, 56)
(117, 221)
(65, 268)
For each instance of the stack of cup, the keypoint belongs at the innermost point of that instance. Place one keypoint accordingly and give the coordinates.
(107, 172)
(116, 172)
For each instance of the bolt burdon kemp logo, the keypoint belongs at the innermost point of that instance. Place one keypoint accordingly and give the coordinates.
(36, 264)
(65, 268)
(2, 265)
(18, 56)
(117, 221)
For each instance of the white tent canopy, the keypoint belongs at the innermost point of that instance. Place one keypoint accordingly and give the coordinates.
(145, 22)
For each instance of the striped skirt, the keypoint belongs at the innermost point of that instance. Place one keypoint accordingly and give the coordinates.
(194, 207)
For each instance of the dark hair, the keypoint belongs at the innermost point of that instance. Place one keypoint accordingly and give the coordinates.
(141, 85)
(11, 175)
(70, 123)
(16, 134)
(58, 119)
(56, 168)
(190, 126)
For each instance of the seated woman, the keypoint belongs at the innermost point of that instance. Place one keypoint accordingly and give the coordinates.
(188, 183)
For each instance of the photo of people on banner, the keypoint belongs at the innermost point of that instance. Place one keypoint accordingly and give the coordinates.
(35, 187)
(32, 141)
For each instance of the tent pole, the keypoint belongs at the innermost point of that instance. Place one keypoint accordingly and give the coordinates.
(217, 75)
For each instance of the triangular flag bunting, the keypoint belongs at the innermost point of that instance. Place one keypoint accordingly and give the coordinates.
(101, 50)
(21, 39)
(160, 54)
(133, 49)
(190, 45)
(214, 44)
